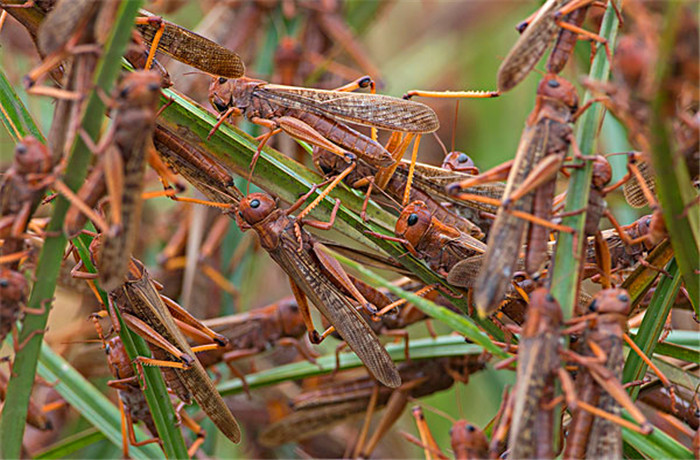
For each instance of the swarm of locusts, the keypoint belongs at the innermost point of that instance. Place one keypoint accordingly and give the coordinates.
(171, 286)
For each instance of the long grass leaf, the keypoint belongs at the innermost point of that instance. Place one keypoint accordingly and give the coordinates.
(67, 446)
(652, 325)
(14, 115)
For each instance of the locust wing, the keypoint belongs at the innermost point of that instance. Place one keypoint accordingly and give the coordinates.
(375, 110)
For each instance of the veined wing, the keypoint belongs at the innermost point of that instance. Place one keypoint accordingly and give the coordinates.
(530, 47)
(376, 110)
(193, 49)
(337, 310)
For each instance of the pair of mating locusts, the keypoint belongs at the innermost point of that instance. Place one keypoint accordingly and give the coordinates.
(595, 399)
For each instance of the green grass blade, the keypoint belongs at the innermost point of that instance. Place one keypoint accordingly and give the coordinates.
(652, 326)
(655, 445)
(91, 403)
(673, 182)
(450, 345)
(65, 447)
(565, 276)
(156, 393)
(19, 387)
(679, 352)
(14, 115)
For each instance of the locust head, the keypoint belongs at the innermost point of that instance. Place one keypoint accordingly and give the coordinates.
(140, 89)
(13, 285)
(227, 94)
(414, 222)
(31, 157)
(460, 162)
(553, 87)
(602, 172)
(543, 313)
(255, 208)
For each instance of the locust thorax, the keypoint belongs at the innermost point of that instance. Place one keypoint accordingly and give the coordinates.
(460, 162)
(31, 157)
(602, 172)
(139, 89)
(414, 222)
(543, 313)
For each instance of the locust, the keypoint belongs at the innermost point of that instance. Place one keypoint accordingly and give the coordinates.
(425, 237)
(256, 331)
(123, 152)
(21, 189)
(315, 274)
(319, 117)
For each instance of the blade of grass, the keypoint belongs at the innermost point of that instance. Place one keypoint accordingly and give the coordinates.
(156, 393)
(449, 345)
(673, 183)
(14, 115)
(642, 278)
(652, 326)
(92, 404)
(677, 351)
(655, 445)
(67, 446)
(566, 273)
(20, 385)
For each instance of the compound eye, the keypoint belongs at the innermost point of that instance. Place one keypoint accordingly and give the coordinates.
(222, 80)
(553, 83)
(462, 158)
(470, 428)
(240, 214)
(412, 219)
(549, 298)
(255, 203)
(153, 86)
(593, 307)
(623, 298)
(4, 283)
(21, 149)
